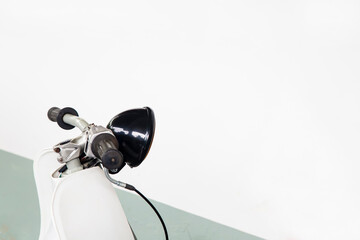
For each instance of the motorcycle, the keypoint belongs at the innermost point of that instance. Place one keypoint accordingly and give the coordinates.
(76, 193)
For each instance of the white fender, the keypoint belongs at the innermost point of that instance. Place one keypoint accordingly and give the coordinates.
(82, 205)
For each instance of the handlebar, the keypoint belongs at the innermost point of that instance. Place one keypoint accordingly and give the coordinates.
(102, 142)
(67, 118)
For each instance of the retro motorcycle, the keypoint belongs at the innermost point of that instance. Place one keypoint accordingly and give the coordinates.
(76, 195)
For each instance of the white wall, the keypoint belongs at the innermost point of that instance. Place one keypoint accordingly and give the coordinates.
(256, 102)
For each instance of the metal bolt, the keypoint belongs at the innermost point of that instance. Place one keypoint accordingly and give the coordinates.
(60, 159)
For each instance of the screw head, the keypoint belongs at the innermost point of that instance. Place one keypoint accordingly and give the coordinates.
(60, 159)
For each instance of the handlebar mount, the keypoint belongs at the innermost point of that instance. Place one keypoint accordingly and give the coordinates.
(95, 142)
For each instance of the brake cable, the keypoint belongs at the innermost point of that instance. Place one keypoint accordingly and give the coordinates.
(132, 188)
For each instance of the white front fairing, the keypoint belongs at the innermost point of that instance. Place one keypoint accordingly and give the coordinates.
(82, 205)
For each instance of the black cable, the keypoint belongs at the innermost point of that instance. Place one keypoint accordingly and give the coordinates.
(132, 188)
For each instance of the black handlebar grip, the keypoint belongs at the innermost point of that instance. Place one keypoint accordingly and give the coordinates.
(112, 159)
(53, 113)
(105, 147)
(56, 114)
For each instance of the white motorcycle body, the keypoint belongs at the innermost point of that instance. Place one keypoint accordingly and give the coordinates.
(82, 205)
